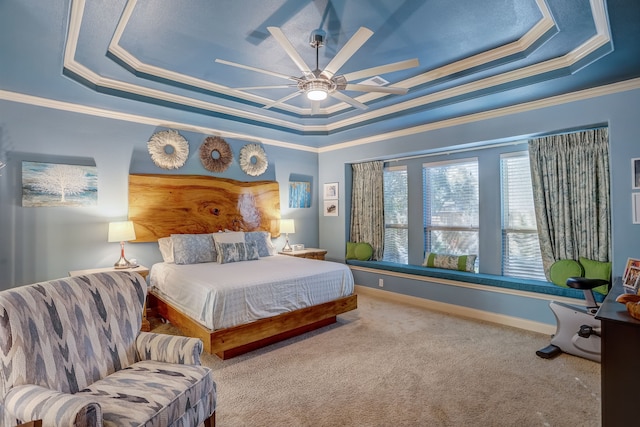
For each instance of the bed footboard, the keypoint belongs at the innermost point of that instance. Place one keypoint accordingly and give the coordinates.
(231, 342)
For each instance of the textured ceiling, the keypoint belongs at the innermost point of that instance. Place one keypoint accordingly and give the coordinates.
(473, 55)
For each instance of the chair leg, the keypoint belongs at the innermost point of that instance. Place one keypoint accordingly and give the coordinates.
(211, 421)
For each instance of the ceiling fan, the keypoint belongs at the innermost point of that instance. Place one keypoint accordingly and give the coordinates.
(318, 84)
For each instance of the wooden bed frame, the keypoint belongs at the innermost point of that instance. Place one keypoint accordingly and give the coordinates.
(160, 205)
(231, 342)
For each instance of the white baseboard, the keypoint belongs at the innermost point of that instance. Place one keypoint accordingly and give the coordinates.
(458, 310)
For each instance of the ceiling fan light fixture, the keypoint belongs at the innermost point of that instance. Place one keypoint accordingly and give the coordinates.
(316, 90)
(317, 95)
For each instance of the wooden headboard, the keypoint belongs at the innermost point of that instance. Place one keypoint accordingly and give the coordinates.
(161, 205)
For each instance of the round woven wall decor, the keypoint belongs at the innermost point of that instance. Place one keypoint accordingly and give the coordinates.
(168, 149)
(253, 160)
(223, 158)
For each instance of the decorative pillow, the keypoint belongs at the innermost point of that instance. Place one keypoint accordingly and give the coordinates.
(351, 250)
(562, 269)
(192, 248)
(235, 252)
(450, 262)
(263, 240)
(597, 270)
(166, 248)
(363, 251)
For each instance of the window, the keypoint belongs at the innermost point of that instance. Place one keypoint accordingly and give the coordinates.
(520, 247)
(451, 219)
(396, 216)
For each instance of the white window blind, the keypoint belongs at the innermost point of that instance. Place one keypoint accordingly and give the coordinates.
(451, 207)
(396, 215)
(520, 247)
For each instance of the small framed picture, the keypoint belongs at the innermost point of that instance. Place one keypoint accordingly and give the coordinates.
(331, 191)
(635, 173)
(632, 278)
(330, 208)
(632, 263)
(635, 208)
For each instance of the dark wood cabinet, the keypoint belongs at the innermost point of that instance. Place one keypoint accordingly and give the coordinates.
(620, 375)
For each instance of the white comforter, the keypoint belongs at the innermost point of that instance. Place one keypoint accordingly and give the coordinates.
(224, 295)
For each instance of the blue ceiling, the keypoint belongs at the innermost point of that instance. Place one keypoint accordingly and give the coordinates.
(149, 55)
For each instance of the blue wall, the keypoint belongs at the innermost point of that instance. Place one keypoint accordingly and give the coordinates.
(44, 243)
(47, 242)
(618, 111)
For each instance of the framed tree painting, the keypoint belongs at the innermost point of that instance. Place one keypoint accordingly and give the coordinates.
(299, 194)
(52, 184)
(331, 191)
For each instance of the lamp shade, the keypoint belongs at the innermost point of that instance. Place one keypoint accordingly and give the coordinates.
(287, 226)
(121, 231)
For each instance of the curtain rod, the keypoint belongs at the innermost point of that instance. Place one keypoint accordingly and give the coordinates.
(494, 145)
(457, 150)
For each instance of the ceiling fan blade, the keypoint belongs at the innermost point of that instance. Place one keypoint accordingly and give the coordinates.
(315, 107)
(283, 99)
(291, 51)
(259, 70)
(354, 43)
(382, 69)
(265, 87)
(342, 97)
(372, 88)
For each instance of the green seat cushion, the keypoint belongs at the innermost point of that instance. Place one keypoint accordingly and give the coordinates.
(597, 270)
(363, 251)
(562, 269)
(351, 250)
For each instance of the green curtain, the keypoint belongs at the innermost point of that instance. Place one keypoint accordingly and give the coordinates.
(570, 179)
(367, 206)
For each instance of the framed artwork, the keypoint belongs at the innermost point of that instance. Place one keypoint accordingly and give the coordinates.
(632, 279)
(299, 194)
(635, 211)
(635, 173)
(52, 184)
(330, 208)
(331, 191)
(633, 265)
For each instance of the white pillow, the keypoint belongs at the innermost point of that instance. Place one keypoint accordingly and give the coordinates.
(166, 248)
(229, 237)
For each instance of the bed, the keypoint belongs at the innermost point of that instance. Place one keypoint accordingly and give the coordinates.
(239, 305)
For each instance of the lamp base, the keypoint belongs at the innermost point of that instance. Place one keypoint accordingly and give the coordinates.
(287, 247)
(122, 263)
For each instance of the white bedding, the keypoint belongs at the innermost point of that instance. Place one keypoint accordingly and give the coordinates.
(224, 295)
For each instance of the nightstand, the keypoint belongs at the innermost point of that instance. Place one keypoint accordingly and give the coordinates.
(312, 253)
(141, 270)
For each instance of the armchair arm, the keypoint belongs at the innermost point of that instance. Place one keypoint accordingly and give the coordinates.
(54, 408)
(168, 348)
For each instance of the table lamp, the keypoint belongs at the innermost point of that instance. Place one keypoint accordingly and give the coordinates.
(121, 231)
(287, 226)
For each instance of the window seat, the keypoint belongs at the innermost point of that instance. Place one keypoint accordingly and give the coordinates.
(516, 283)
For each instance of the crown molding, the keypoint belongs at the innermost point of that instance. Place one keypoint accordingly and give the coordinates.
(531, 38)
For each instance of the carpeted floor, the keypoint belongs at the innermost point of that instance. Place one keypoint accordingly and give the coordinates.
(389, 364)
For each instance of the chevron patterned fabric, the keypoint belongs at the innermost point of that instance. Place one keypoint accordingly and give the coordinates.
(71, 354)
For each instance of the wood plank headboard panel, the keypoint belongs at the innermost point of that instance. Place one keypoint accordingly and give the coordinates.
(161, 205)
